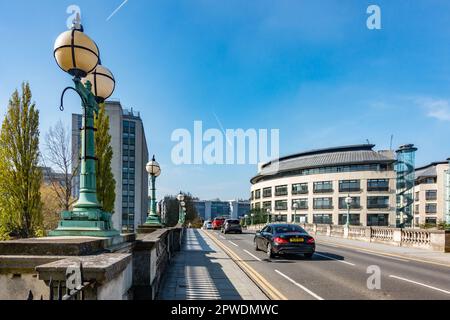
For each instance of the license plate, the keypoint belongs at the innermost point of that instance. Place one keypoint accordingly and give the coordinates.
(297, 240)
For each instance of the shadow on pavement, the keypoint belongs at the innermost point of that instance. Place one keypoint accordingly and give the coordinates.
(196, 274)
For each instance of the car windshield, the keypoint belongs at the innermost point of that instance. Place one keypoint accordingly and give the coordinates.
(233, 221)
(288, 228)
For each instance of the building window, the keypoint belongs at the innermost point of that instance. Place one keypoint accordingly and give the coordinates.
(349, 186)
(258, 205)
(354, 219)
(267, 205)
(377, 220)
(267, 192)
(302, 204)
(416, 210)
(378, 185)
(377, 202)
(300, 188)
(323, 187)
(281, 205)
(252, 196)
(258, 194)
(356, 204)
(430, 180)
(417, 196)
(431, 195)
(430, 208)
(323, 203)
(281, 191)
(431, 221)
(323, 218)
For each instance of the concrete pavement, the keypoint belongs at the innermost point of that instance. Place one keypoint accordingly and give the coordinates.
(203, 271)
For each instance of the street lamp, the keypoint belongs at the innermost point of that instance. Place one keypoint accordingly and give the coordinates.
(295, 206)
(181, 202)
(154, 170)
(269, 213)
(252, 215)
(78, 55)
(348, 202)
(246, 219)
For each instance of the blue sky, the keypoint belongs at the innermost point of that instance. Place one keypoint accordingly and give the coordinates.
(309, 68)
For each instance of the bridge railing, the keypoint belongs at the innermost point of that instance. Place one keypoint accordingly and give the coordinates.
(435, 240)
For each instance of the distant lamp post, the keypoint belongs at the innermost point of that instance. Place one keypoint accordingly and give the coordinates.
(246, 219)
(295, 206)
(253, 216)
(79, 56)
(269, 213)
(348, 202)
(154, 171)
(181, 202)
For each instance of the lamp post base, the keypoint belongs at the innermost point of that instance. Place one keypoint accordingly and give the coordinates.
(153, 221)
(89, 223)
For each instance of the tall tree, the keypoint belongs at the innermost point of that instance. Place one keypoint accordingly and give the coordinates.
(106, 184)
(20, 174)
(59, 156)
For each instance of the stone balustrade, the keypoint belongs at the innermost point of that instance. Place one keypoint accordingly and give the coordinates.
(121, 268)
(434, 240)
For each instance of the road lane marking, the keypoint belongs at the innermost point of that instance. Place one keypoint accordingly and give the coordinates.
(328, 257)
(222, 237)
(271, 292)
(326, 243)
(234, 244)
(300, 286)
(420, 284)
(252, 255)
(369, 253)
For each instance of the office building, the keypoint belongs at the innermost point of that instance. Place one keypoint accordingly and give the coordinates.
(430, 193)
(320, 180)
(234, 209)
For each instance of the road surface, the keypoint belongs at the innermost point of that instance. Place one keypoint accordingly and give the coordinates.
(336, 273)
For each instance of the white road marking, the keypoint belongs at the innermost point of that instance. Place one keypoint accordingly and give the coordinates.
(383, 256)
(222, 237)
(366, 252)
(300, 286)
(234, 244)
(252, 255)
(420, 284)
(328, 257)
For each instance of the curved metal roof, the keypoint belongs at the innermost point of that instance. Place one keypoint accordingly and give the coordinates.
(346, 155)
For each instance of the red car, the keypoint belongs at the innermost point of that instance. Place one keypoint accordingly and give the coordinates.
(218, 223)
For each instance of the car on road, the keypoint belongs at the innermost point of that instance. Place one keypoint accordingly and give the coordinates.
(207, 225)
(232, 225)
(282, 238)
(218, 223)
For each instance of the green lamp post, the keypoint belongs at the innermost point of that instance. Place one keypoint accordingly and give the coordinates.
(348, 202)
(154, 171)
(78, 55)
(181, 215)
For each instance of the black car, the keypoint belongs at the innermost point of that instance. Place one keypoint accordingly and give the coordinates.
(278, 239)
(232, 225)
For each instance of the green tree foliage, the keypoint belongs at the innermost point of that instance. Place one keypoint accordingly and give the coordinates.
(172, 209)
(20, 175)
(106, 184)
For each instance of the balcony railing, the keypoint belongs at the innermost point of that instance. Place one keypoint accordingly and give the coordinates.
(323, 190)
(377, 189)
(349, 190)
(378, 206)
(295, 192)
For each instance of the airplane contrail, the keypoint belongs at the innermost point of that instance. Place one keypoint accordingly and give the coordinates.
(115, 11)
